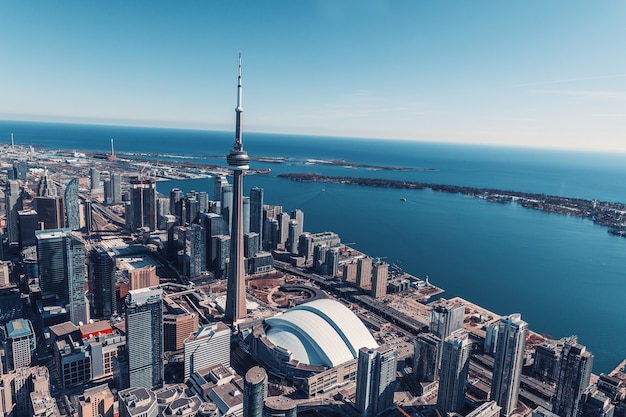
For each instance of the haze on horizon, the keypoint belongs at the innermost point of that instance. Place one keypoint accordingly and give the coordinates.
(533, 73)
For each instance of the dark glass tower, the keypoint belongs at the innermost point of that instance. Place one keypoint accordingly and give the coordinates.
(102, 274)
(239, 162)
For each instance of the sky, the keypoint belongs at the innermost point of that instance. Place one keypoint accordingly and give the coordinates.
(531, 73)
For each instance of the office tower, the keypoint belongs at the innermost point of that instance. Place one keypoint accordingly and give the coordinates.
(94, 177)
(191, 207)
(254, 392)
(226, 202)
(144, 337)
(177, 327)
(13, 204)
(116, 187)
(197, 250)
(20, 343)
(20, 168)
(425, 357)
(176, 198)
(446, 317)
(221, 248)
(51, 212)
(375, 377)
(96, 401)
(256, 211)
(29, 224)
(61, 258)
(142, 209)
(364, 273)
(210, 345)
(102, 275)
(279, 406)
(379, 279)
(72, 205)
(88, 218)
(508, 363)
(46, 187)
(239, 161)
(454, 368)
(573, 380)
(138, 402)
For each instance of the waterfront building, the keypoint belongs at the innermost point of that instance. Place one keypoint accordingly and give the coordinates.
(376, 375)
(380, 271)
(94, 177)
(425, 355)
(138, 402)
(332, 262)
(61, 258)
(13, 204)
(509, 359)
(144, 337)
(454, 368)
(141, 212)
(294, 234)
(210, 345)
(256, 211)
(254, 392)
(595, 403)
(279, 406)
(283, 228)
(20, 343)
(102, 275)
(491, 338)
(349, 271)
(298, 215)
(547, 359)
(177, 328)
(239, 161)
(446, 317)
(364, 273)
(72, 204)
(51, 212)
(574, 374)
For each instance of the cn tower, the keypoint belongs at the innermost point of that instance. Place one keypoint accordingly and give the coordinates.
(239, 162)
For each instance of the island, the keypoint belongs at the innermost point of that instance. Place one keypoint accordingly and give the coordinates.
(611, 215)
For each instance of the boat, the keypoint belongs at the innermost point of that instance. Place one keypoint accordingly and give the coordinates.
(402, 199)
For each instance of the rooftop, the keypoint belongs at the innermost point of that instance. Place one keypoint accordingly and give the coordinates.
(19, 328)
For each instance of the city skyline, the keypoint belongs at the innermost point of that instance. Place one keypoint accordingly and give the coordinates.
(539, 75)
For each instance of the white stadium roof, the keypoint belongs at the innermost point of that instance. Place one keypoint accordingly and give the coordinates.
(320, 332)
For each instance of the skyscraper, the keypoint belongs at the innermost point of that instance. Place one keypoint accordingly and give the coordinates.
(364, 272)
(446, 317)
(256, 211)
(507, 368)
(116, 187)
(454, 368)
(239, 161)
(380, 271)
(375, 377)
(142, 209)
(72, 205)
(144, 337)
(51, 212)
(210, 345)
(13, 204)
(61, 258)
(573, 380)
(426, 353)
(20, 342)
(94, 177)
(102, 275)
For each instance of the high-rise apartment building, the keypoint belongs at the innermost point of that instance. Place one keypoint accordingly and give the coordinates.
(116, 187)
(256, 211)
(102, 275)
(13, 204)
(239, 161)
(376, 374)
(72, 204)
(446, 317)
(94, 177)
(61, 258)
(425, 356)
(573, 380)
(454, 368)
(364, 273)
(380, 270)
(144, 337)
(254, 392)
(509, 359)
(141, 212)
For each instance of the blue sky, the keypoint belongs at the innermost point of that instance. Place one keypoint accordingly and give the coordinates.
(536, 73)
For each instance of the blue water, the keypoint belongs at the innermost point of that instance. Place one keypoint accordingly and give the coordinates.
(565, 275)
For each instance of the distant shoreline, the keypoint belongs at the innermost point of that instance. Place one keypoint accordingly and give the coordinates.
(611, 215)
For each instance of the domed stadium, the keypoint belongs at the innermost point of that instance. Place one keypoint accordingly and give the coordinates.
(311, 338)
